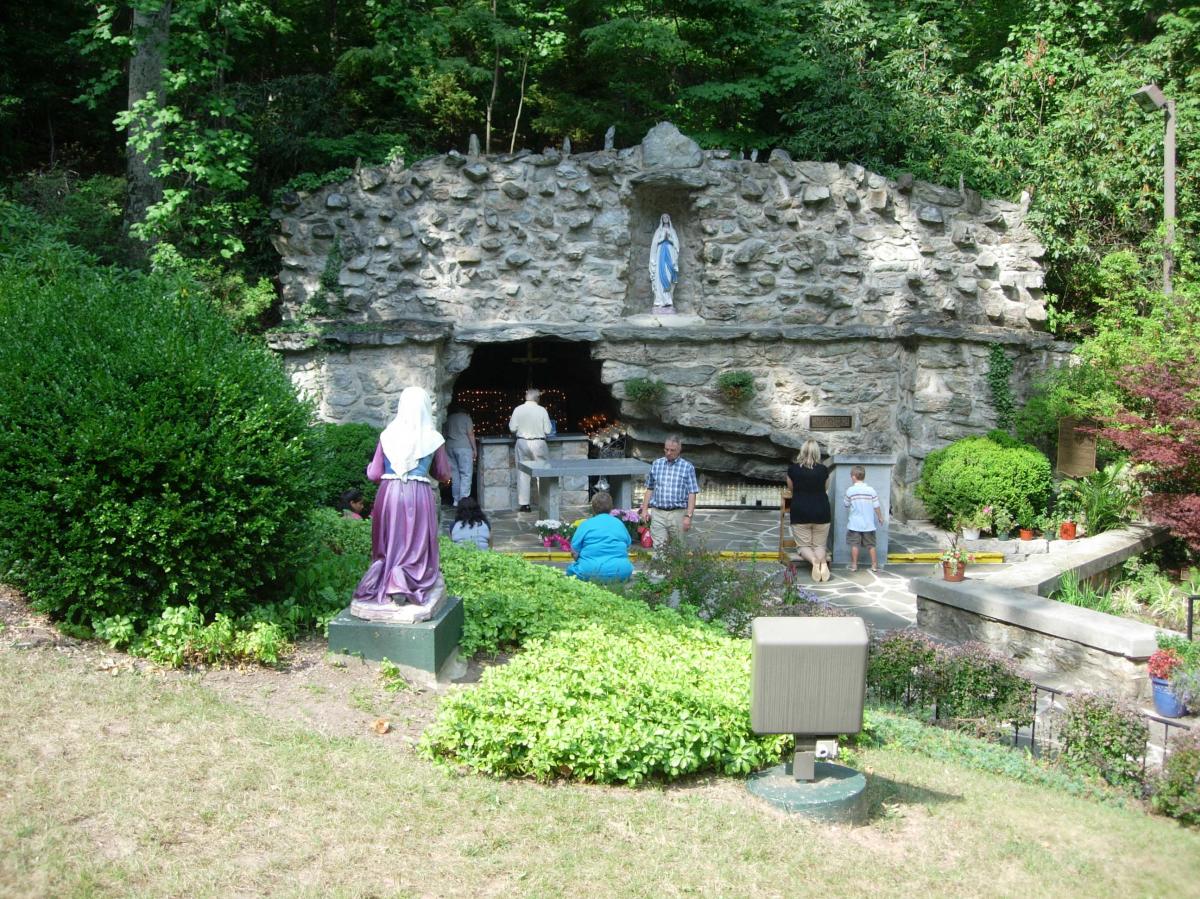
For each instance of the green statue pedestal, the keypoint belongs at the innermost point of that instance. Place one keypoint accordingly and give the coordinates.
(424, 647)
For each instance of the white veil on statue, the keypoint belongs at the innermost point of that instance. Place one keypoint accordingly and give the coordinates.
(664, 265)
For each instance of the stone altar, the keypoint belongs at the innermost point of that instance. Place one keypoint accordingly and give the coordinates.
(621, 472)
(498, 472)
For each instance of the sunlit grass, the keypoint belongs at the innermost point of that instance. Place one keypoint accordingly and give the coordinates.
(146, 785)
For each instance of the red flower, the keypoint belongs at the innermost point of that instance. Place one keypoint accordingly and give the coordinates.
(1162, 663)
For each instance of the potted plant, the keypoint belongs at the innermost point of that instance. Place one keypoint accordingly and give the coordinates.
(1162, 666)
(555, 534)
(954, 561)
(979, 520)
(736, 386)
(1002, 522)
(1025, 522)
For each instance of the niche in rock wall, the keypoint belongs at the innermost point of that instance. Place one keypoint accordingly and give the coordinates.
(495, 382)
(647, 204)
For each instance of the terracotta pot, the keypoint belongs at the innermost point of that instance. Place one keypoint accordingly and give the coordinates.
(958, 575)
(1025, 533)
(1066, 530)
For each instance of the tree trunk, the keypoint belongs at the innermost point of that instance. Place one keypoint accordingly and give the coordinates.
(520, 104)
(151, 31)
(487, 128)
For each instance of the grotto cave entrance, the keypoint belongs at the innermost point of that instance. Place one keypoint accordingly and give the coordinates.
(495, 382)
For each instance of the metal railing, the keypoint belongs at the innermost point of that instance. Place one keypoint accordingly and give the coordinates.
(1040, 737)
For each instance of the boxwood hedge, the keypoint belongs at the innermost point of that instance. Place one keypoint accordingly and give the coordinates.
(149, 457)
(982, 471)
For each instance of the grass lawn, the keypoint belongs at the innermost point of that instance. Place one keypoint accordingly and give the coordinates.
(150, 785)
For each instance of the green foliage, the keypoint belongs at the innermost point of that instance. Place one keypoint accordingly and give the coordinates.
(1074, 592)
(334, 559)
(899, 668)
(978, 471)
(1103, 736)
(736, 386)
(340, 454)
(644, 391)
(85, 212)
(310, 181)
(965, 685)
(600, 706)
(509, 602)
(244, 304)
(1177, 790)
(898, 732)
(999, 377)
(1187, 650)
(1104, 500)
(149, 458)
(720, 590)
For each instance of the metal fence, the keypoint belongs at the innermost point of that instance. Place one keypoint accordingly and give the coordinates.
(1041, 737)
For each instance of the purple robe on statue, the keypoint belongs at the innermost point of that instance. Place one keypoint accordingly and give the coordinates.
(405, 563)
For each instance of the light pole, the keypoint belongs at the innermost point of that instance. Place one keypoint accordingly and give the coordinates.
(1150, 98)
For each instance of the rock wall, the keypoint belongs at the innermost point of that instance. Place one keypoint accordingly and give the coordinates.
(841, 291)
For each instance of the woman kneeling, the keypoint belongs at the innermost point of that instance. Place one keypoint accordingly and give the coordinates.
(601, 545)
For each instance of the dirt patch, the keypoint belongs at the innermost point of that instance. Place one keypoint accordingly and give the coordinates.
(333, 695)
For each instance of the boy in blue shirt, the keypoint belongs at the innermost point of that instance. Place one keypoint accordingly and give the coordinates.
(863, 503)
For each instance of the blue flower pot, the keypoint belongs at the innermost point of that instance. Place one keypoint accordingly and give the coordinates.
(1166, 703)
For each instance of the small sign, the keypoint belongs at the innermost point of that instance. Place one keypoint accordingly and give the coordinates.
(830, 422)
(1076, 450)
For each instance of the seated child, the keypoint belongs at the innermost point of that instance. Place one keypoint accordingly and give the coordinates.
(471, 525)
(351, 504)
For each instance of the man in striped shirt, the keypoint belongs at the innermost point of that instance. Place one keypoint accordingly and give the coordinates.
(670, 497)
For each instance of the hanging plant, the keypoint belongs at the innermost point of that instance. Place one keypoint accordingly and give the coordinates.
(736, 386)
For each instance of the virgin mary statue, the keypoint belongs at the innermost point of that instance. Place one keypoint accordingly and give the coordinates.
(664, 265)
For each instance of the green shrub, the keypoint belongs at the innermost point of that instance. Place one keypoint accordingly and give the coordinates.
(999, 377)
(86, 212)
(509, 602)
(978, 471)
(1104, 500)
(644, 391)
(1103, 736)
(720, 590)
(340, 456)
(337, 556)
(1177, 789)
(900, 668)
(981, 686)
(149, 457)
(964, 684)
(611, 708)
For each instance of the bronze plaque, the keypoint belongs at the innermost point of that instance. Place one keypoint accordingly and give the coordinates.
(1076, 450)
(830, 422)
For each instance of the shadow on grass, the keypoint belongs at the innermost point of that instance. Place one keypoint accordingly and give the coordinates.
(883, 794)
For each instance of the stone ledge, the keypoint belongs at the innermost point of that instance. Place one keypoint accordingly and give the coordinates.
(634, 329)
(1117, 636)
(1085, 557)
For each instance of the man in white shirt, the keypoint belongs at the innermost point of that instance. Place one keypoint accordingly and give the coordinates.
(531, 424)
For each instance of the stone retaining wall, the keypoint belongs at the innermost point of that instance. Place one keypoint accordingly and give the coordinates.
(1056, 644)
